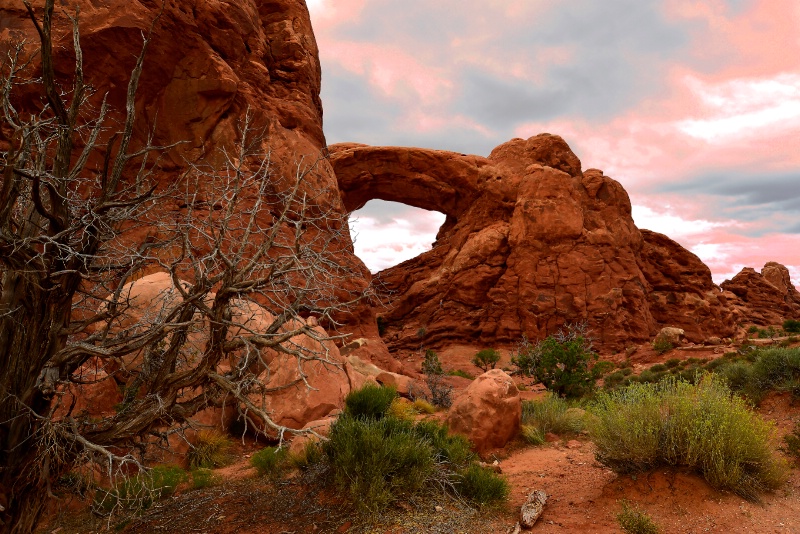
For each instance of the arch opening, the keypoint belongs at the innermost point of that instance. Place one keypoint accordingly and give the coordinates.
(387, 233)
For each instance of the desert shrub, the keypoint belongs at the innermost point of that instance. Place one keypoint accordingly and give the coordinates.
(482, 486)
(377, 461)
(792, 442)
(440, 393)
(601, 369)
(552, 414)
(614, 379)
(202, 477)
(658, 368)
(635, 521)
(455, 450)
(461, 373)
(311, 455)
(627, 371)
(791, 326)
(762, 370)
(672, 363)
(533, 435)
(210, 448)
(271, 462)
(402, 409)
(560, 362)
(140, 491)
(662, 344)
(371, 401)
(700, 426)
(486, 359)
(423, 406)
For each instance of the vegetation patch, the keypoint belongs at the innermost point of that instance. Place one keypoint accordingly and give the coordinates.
(271, 462)
(701, 426)
(633, 520)
(138, 492)
(486, 359)
(561, 362)
(371, 401)
(551, 414)
(210, 448)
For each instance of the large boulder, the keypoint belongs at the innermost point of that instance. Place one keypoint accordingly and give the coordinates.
(488, 412)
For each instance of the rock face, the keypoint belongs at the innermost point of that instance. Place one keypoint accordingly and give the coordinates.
(488, 412)
(765, 298)
(530, 242)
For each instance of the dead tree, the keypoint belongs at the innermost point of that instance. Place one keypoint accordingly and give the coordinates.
(239, 235)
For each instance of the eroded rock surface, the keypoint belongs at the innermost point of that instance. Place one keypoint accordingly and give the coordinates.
(530, 242)
(765, 298)
(488, 412)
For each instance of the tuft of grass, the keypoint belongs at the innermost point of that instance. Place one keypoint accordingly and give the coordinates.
(310, 456)
(482, 486)
(533, 435)
(552, 414)
(701, 426)
(203, 477)
(371, 401)
(461, 373)
(423, 406)
(271, 462)
(633, 520)
(139, 492)
(791, 326)
(792, 442)
(210, 448)
(454, 451)
(402, 409)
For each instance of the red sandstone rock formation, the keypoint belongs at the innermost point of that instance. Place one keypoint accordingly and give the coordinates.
(530, 242)
(766, 298)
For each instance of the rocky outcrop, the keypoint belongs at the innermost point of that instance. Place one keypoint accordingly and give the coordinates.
(488, 412)
(530, 242)
(765, 298)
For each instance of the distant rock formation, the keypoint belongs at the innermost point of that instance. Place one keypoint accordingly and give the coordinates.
(765, 298)
(530, 242)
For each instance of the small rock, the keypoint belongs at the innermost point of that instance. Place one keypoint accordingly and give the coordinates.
(438, 508)
(533, 508)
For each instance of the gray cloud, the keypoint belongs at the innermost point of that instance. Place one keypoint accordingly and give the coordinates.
(772, 198)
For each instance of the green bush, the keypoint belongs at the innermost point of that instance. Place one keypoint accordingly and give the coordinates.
(601, 369)
(311, 455)
(672, 363)
(700, 426)
(377, 461)
(792, 442)
(423, 406)
(552, 414)
(271, 461)
(370, 401)
(486, 359)
(791, 326)
(139, 492)
(455, 451)
(210, 448)
(658, 368)
(635, 521)
(482, 486)
(761, 371)
(441, 393)
(662, 344)
(560, 362)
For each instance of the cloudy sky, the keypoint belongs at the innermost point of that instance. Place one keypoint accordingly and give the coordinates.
(693, 105)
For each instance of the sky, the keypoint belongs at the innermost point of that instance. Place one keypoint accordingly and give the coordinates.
(692, 105)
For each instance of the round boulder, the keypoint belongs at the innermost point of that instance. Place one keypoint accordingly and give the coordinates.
(488, 412)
